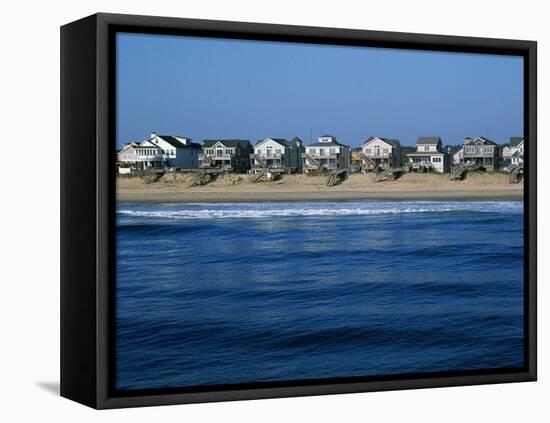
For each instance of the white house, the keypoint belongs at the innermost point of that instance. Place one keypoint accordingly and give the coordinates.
(277, 154)
(380, 153)
(516, 150)
(429, 156)
(327, 154)
(158, 152)
(179, 151)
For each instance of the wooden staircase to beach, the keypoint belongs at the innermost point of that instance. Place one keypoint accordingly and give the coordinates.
(202, 178)
(459, 172)
(390, 174)
(425, 166)
(368, 164)
(259, 161)
(516, 173)
(312, 162)
(260, 176)
(336, 177)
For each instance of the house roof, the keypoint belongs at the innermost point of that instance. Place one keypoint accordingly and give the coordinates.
(428, 140)
(147, 146)
(475, 141)
(281, 141)
(227, 143)
(176, 143)
(515, 141)
(390, 141)
(324, 144)
(324, 136)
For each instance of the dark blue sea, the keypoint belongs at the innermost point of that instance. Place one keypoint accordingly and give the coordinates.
(237, 293)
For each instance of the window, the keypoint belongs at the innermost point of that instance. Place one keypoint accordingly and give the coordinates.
(436, 159)
(321, 152)
(385, 151)
(368, 151)
(426, 148)
(332, 151)
(269, 151)
(278, 151)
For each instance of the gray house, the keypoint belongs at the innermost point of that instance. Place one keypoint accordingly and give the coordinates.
(480, 150)
(230, 155)
(277, 155)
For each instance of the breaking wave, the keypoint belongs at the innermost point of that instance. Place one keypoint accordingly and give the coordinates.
(271, 210)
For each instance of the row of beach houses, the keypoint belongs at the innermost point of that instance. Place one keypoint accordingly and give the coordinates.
(292, 156)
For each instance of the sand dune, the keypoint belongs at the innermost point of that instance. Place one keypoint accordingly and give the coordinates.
(179, 188)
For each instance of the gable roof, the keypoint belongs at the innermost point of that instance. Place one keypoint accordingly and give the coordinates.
(227, 143)
(390, 141)
(147, 144)
(428, 140)
(515, 141)
(281, 141)
(477, 139)
(176, 143)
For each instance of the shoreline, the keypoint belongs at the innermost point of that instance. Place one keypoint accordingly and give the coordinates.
(246, 197)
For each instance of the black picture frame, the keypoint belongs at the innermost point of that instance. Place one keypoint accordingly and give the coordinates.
(88, 198)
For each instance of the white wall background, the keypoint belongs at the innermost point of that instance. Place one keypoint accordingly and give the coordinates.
(29, 282)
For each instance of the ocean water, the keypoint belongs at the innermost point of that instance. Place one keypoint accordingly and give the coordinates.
(213, 294)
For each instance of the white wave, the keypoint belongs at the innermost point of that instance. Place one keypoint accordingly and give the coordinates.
(269, 210)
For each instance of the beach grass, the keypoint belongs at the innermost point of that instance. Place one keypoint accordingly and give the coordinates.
(179, 187)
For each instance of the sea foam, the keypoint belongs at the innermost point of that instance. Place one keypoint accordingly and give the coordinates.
(274, 210)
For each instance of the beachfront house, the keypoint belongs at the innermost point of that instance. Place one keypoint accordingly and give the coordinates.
(159, 152)
(141, 156)
(276, 155)
(326, 154)
(380, 153)
(516, 150)
(480, 150)
(429, 156)
(179, 151)
(229, 155)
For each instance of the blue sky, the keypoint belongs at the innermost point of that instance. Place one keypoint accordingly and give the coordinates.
(214, 88)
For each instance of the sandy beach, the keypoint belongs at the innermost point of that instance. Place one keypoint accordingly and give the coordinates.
(178, 188)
